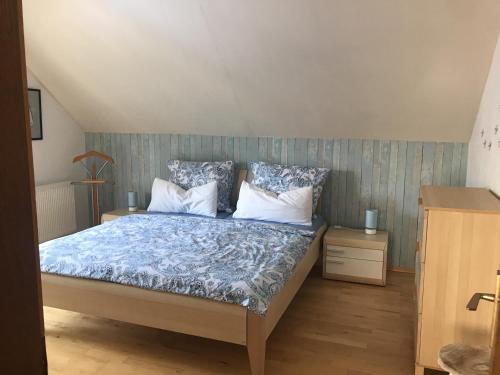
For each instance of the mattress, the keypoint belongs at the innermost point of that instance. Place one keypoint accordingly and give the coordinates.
(228, 260)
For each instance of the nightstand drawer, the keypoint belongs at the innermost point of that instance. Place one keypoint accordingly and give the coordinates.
(354, 267)
(354, 253)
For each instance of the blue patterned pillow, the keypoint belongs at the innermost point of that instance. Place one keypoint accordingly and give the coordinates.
(188, 174)
(280, 178)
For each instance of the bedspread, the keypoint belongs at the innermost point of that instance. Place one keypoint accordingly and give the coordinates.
(233, 261)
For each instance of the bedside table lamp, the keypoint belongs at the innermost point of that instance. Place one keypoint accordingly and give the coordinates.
(371, 221)
(132, 201)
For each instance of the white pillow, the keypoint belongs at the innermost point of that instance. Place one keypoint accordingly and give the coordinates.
(293, 207)
(168, 197)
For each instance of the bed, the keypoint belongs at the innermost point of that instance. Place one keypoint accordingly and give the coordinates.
(221, 278)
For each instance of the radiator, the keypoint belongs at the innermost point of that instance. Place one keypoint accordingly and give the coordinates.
(55, 209)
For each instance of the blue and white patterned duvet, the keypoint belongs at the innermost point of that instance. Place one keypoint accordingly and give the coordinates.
(233, 261)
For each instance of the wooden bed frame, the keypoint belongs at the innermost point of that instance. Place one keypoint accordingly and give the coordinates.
(185, 314)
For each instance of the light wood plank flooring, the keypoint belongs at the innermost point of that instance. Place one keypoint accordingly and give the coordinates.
(330, 328)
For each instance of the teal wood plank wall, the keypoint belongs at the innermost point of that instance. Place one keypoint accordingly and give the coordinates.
(365, 173)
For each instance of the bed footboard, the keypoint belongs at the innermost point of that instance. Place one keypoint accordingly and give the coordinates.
(168, 311)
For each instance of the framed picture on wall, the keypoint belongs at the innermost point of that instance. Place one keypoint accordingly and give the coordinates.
(35, 114)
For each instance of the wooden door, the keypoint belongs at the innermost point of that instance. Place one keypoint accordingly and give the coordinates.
(22, 348)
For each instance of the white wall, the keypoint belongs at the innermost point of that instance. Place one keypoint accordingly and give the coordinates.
(484, 162)
(62, 140)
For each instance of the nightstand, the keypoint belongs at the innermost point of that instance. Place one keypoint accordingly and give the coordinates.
(112, 215)
(352, 255)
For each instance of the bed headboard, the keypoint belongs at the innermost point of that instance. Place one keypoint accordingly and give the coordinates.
(242, 176)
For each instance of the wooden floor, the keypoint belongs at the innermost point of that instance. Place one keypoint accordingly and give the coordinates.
(330, 328)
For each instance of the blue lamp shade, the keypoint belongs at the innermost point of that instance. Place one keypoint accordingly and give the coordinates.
(132, 201)
(371, 221)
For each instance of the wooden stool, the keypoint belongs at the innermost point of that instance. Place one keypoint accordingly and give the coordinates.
(461, 359)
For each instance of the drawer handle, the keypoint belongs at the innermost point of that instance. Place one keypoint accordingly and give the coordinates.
(337, 251)
(335, 261)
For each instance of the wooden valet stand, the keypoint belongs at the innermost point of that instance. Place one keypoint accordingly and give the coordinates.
(93, 180)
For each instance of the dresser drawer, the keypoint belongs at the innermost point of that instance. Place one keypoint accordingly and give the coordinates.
(354, 253)
(354, 267)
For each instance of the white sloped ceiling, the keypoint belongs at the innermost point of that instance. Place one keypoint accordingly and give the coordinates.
(388, 69)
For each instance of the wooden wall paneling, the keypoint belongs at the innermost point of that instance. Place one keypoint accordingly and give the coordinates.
(127, 167)
(223, 146)
(207, 148)
(349, 182)
(134, 161)
(185, 147)
(300, 152)
(347, 219)
(236, 152)
(356, 157)
(105, 191)
(108, 175)
(230, 148)
(164, 145)
(391, 198)
(262, 153)
(269, 149)
(383, 183)
(428, 155)
(335, 183)
(252, 149)
(327, 196)
(174, 147)
(365, 173)
(343, 182)
(99, 146)
(399, 199)
(157, 152)
(407, 203)
(447, 162)
(455, 164)
(438, 164)
(217, 148)
(312, 153)
(463, 164)
(141, 172)
(276, 153)
(240, 151)
(89, 145)
(426, 177)
(320, 163)
(412, 189)
(290, 143)
(320, 157)
(375, 183)
(115, 171)
(284, 150)
(193, 148)
(367, 164)
(149, 167)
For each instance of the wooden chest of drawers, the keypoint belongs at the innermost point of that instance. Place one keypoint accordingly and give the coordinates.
(458, 253)
(352, 255)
